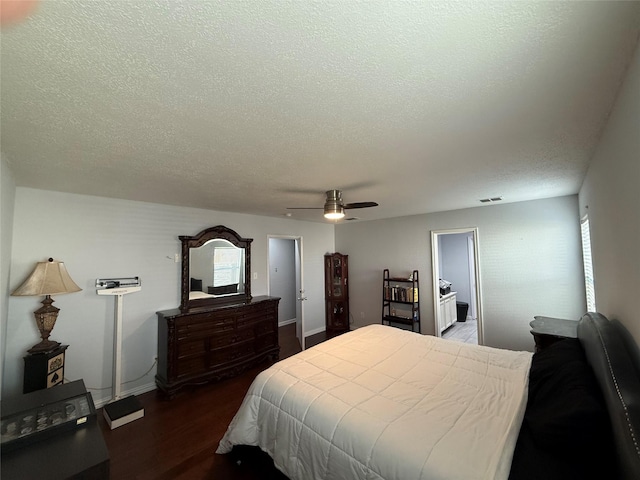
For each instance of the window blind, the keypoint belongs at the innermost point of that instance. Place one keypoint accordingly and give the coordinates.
(588, 265)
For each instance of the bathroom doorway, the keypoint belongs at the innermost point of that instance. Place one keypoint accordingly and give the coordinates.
(284, 278)
(457, 306)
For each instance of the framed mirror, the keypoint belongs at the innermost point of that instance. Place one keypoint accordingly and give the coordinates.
(216, 268)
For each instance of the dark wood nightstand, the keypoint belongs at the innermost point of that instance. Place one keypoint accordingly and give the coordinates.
(44, 370)
(548, 330)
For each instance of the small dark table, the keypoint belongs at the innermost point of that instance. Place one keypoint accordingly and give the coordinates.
(80, 453)
(548, 330)
(44, 370)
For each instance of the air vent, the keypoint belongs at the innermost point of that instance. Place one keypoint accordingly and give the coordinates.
(351, 218)
(490, 200)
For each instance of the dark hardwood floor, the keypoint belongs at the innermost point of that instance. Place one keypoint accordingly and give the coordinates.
(177, 439)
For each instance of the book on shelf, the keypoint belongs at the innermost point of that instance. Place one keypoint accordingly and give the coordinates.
(401, 294)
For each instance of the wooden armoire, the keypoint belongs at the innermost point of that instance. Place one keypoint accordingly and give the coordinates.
(336, 276)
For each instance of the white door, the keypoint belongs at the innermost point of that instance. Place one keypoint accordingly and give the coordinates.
(472, 275)
(300, 298)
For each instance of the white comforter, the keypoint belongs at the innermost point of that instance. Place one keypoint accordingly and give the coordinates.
(195, 294)
(384, 403)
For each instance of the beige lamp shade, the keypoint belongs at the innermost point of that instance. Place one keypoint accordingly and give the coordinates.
(48, 278)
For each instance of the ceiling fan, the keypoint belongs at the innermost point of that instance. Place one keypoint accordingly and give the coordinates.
(334, 207)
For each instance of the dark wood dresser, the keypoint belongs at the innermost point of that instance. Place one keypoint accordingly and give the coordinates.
(214, 342)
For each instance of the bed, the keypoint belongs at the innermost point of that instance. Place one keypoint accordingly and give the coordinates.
(383, 403)
(195, 295)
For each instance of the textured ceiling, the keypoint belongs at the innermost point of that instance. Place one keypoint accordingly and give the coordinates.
(255, 106)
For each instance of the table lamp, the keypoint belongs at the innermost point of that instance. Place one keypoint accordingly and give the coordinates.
(48, 278)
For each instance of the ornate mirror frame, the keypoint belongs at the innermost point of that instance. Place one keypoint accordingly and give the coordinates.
(213, 233)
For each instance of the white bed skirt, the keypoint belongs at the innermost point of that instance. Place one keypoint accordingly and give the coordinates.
(384, 403)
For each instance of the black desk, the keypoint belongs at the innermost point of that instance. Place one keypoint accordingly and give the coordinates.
(80, 453)
(548, 330)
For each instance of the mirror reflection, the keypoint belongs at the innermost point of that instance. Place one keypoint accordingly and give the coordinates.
(217, 269)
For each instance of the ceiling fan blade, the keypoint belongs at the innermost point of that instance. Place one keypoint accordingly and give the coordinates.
(305, 208)
(359, 205)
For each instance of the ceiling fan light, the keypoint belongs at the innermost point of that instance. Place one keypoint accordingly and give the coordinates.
(333, 212)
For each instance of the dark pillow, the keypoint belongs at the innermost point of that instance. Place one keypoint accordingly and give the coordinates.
(566, 413)
(196, 285)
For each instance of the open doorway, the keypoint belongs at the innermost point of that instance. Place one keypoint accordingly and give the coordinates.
(457, 299)
(284, 278)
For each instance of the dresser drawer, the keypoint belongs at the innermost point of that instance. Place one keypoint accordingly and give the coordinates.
(266, 342)
(202, 325)
(190, 366)
(231, 338)
(233, 353)
(265, 326)
(191, 347)
(250, 321)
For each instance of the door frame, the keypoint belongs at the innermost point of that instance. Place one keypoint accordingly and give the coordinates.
(435, 262)
(472, 268)
(299, 282)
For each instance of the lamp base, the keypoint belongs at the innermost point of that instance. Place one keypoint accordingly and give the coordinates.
(44, 346)
(46, 317)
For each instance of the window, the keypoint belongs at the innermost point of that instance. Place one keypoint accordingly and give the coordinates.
(226, 265)
(588, 265)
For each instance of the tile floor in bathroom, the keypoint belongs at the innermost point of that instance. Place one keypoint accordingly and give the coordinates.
(466, 332)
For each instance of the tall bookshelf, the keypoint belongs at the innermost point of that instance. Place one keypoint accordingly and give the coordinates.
(400, 301)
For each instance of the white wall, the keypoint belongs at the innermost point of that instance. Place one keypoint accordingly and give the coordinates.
(611, 191)
(201, 265)
(530, 263)
(99, 237)
(7, 197)
(454, 264)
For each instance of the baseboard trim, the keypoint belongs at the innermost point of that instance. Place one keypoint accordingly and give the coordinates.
(314, 331)
(286, 322)
(134, 391)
